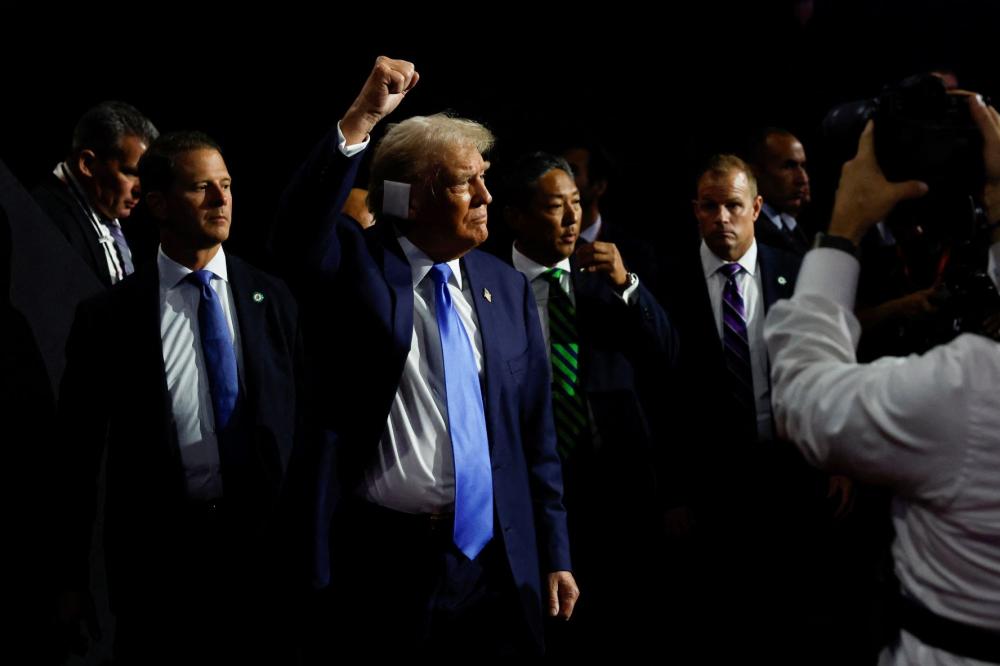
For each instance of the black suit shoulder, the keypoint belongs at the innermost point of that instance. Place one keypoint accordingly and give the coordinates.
(55, 199)
(264, 280)
(778, 255)
(65, 214)
(494, 263)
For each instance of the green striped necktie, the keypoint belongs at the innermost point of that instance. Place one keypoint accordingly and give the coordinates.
(568, 407)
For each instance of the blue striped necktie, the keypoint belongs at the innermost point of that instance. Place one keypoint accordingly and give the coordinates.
(568, 406)
(217, 349)
(466, 424)
(736, 346)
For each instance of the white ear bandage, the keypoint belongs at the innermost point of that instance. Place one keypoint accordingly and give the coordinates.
(396, 199)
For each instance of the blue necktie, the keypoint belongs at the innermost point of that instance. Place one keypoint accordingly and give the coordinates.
(217, 347)
(466, 424)
(124, 253)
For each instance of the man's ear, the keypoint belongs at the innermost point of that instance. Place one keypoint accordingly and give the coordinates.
(85, 162)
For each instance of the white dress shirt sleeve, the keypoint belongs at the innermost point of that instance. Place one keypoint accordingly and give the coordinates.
(885, 422)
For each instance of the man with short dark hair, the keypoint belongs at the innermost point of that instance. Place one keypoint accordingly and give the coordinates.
(779, 164)
(610, 346)
(88, 195)
(200, 438)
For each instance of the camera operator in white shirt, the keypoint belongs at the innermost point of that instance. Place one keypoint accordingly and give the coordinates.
(928, 427)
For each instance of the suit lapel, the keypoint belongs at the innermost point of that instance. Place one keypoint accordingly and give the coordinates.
(399, 278)
(776, 284)
(243, 452)
(251, 307)
(479, 285)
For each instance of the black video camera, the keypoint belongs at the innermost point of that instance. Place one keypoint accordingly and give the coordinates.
(924, 133)
(921, 133)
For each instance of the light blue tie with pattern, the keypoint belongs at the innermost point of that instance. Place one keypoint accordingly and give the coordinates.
(466, 424)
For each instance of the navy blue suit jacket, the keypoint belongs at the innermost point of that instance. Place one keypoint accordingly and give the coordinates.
(114, 398)
(360, 298)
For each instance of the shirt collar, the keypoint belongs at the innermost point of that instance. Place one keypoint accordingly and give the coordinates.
(781, 220)
(172, 273)
(591, 233)
(420, 263)
(711, 263)
(533, 269)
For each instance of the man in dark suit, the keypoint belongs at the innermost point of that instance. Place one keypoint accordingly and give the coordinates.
(203, 378)
(440, 483)
(611, 346)
(754, 511)
(779, 165)
(93, 192)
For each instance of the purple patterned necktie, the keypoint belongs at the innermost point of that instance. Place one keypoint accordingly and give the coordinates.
(736, 346)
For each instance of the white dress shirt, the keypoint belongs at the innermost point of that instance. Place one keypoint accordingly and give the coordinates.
(414, 470)
(926, 426)
(184, 362)
(749, 283)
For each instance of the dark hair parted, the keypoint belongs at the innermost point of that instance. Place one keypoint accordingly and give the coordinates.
(521, 180)
(156, 168)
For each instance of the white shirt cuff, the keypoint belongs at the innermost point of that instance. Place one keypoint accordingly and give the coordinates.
(353, 149)
(631, 294)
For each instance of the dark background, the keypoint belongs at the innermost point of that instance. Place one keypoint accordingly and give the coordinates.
(662, 87)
